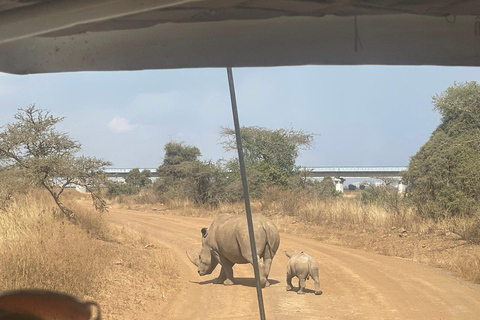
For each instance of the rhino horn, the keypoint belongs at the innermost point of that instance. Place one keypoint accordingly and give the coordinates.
(194, 261)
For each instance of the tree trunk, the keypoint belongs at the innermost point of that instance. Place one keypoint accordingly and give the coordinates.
(69, 214)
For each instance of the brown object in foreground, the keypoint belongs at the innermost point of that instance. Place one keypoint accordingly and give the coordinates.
(44, 305)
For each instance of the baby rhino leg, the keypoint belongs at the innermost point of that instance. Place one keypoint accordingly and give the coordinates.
(289, 279)
(301, 284)
(302, 277)
(314, 274)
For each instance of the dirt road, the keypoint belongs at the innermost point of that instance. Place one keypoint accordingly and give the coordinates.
(356, 284)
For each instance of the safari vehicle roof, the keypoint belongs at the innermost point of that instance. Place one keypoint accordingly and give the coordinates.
(39, 36)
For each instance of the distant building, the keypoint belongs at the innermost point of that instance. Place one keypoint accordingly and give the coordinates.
(116, 179)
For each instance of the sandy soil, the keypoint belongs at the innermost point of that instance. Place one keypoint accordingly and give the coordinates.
(356, 284)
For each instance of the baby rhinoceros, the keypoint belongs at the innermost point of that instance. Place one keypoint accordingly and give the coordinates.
(302, 266)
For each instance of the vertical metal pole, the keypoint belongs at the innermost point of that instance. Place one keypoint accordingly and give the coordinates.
(245, 193)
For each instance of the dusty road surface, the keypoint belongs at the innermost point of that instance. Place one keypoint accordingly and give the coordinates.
(356, 284)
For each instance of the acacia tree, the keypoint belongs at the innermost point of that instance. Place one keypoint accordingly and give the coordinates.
(46, 157)
(270, 155)
(444, 175)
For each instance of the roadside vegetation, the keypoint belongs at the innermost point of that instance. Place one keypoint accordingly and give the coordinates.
(32, 149)
(444, 175)
(436, 222)
(39, 248)
(53, 237)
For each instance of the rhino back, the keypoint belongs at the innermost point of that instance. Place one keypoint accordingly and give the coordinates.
(299, 263)
(229, 237)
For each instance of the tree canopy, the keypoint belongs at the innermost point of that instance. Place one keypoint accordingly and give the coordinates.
(444, 175)
(178, 152)
(270, 154)
(139, 179)
(183, 176)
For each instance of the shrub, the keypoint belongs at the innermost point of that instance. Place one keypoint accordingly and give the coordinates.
(468, 228)
(444, 175)
(115, 189)
(386, 196)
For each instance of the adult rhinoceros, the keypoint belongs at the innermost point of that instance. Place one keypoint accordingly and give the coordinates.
(226, 242)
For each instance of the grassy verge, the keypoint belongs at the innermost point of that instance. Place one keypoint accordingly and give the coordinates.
(39, 249)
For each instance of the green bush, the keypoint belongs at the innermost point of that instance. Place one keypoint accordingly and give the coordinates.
(386, 196)
(117, 189)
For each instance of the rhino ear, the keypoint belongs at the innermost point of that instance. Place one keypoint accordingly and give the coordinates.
(204, 232)
(288, 254)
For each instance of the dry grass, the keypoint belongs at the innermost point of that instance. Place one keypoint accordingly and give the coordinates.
(348, 213)
(183, 207)
(39, 249)
(138, 281)
(145, 197)
(450, 243)
(468, 265)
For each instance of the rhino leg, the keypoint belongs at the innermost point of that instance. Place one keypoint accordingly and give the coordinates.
(221, 277)
(261, 268)
(267, 264)
(227, 267)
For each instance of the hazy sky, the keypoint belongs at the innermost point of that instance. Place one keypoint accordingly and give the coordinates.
(368, 115)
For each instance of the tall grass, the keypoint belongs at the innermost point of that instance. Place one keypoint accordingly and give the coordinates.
(389, 212)
(347, 213)
(40, 249)
(468, 265)
(145, 196)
